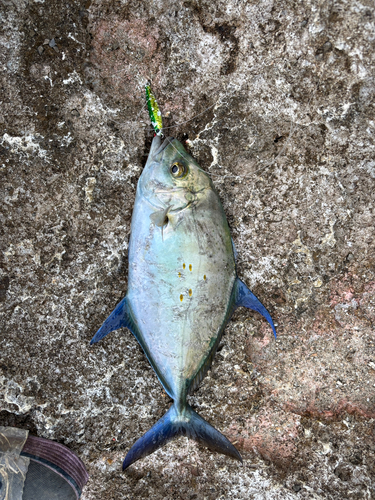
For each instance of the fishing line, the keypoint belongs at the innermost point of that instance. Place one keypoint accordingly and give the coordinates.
(293, 127)
(208, 172)
(217, 103)
(191, 119)
(150, 129)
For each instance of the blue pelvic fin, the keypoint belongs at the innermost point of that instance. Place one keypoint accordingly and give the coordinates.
(174, 424)
(244, 297)
(119, 318)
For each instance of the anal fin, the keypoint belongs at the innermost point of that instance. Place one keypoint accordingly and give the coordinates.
(207, 363)
(120, 317)
(235, 253)
(203, 370)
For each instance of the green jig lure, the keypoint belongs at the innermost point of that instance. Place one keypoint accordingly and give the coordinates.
(154, 111)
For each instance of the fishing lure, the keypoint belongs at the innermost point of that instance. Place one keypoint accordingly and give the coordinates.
(154, 111)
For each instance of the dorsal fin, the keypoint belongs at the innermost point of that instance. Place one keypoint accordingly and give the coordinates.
(241, 296)
(118, 318)
(206, 365)
(204, 368)
(245, 297)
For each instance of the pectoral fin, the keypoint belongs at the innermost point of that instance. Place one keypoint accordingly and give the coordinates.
(244, 297)
(160, 217)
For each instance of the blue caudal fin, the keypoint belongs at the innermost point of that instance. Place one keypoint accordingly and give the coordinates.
(244, 297)
(118, 318)
(174, 424)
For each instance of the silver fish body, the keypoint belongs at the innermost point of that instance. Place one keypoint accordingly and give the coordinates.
(182, 288)
(182, 277)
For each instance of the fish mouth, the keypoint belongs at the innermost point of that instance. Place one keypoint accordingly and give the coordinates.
(157, 149)
(166, 143)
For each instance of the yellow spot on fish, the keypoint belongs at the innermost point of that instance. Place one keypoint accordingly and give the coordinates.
(181, 297)
(204, 277)
(183, 265)
(190, 267)
(190, 292)
(179, 275)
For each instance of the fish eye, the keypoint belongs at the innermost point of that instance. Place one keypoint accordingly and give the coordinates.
(178, 170)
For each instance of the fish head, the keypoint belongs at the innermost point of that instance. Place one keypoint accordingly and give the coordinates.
(172, 179)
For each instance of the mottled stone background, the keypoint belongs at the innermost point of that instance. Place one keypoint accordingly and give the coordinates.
(277, 100)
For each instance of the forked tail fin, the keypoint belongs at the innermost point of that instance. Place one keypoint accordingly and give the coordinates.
(174, 424)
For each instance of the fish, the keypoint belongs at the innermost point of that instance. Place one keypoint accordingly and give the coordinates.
(182, 289)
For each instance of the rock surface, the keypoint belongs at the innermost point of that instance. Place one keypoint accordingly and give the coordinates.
(276, 101)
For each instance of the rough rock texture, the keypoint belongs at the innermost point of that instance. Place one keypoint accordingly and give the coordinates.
(277, 100)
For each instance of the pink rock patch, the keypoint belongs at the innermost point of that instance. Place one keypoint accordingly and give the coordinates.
(323, 367)
(126, 53)
(271, 433)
